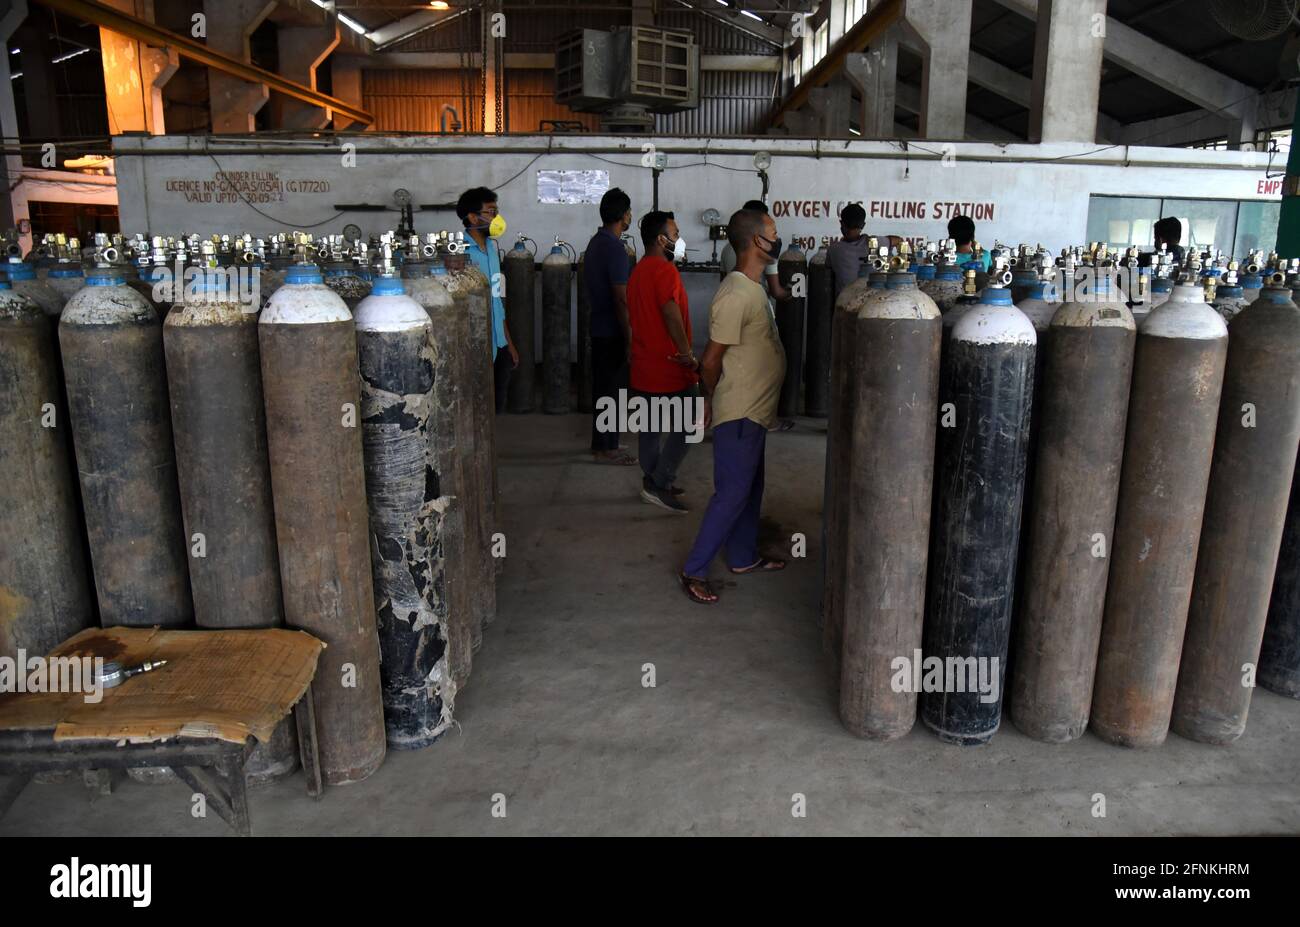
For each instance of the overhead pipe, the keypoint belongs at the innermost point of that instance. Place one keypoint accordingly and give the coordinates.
(144, 31)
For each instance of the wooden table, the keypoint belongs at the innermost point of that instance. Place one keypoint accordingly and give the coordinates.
(107, 735)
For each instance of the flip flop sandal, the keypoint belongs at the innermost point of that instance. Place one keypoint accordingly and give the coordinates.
(689, 584)
(764, 565)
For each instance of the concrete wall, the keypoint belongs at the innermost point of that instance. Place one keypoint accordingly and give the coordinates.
(1032, 193)
(1017, 193)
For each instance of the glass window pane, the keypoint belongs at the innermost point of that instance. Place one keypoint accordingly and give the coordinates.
(1256, 228)
(1121, 221)
(1205, 222)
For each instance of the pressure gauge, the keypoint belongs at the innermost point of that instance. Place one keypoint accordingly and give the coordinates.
(401, 196)
(352, 232)
(660, 160)
(711, 217)
(762, 160)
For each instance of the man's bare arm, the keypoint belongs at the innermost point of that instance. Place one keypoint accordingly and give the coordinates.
(672, 314)
(620, 310)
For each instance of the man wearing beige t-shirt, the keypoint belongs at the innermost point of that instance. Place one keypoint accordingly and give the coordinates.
(741, 374)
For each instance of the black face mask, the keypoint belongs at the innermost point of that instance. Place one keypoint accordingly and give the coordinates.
(776, 248)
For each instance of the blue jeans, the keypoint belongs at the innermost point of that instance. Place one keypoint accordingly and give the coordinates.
(661, 453)
(731, 520)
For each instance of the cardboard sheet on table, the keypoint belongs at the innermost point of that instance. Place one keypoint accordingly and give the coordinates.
(221, 684)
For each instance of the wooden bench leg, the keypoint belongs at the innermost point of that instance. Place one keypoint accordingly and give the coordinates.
(99, 782)
(231, 768)
(224, 789)
(304, 715)
(10, 788)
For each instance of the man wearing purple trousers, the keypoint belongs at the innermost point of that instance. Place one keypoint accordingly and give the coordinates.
(741, 374)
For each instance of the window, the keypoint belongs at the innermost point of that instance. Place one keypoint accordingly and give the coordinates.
(1232, 226)
(1274, 140)
(820, 38)
(853, 11)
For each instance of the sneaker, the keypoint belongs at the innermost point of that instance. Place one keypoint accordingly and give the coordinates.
(648, 486)
(664, 499)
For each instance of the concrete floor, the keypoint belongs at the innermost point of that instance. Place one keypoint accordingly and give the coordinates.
(743, 716)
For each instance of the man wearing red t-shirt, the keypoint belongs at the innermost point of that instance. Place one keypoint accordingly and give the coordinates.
(663, 364)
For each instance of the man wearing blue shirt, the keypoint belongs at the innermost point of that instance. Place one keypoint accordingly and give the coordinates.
(478, 212)
(961, 229)
(605, 271)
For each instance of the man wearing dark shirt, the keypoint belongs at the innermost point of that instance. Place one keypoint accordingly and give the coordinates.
(605, 267)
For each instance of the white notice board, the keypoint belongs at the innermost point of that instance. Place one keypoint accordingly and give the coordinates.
(566, 188)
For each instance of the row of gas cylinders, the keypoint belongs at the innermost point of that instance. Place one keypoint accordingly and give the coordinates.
(804, 322)
(304, 465)
(1056, 508)
(557, 271)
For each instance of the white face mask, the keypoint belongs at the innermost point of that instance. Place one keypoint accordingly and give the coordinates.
(679, 250)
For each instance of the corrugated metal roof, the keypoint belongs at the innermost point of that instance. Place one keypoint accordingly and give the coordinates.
(713, 37)
(537, 30)
(460, 34)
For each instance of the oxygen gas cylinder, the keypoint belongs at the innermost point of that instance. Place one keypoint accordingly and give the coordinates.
(821, 308)
(340, 275)
(792, 267)
(66, 278)
(839, 448)
(43, 569)
(276, 267)
(556, 274)
(1080, 413)
(1279, 657)
(214, 381)
(521, 316)
(980, 469)
(1177, 379)
(1161, 289)
(1023, 280)
(449, 426)
(1252, 271)
(1229, 297)
(24, 282)
(1245, 511)
(583, 317)
(464, 281)
(946, 287)
(887, 505)
(1139, 303)
(399, 391)
(308, 346)
(116, 377)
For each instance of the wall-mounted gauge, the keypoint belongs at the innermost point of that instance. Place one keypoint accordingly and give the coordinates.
(352, 232)
(762, 160)
(711, 216)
